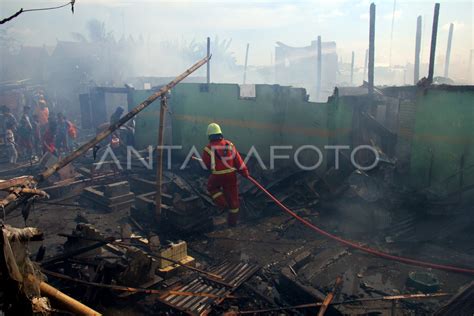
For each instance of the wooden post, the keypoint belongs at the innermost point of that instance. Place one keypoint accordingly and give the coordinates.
(69, 303)
(416, 72)
(246, 60)
(371, 49)
(448, 51)
(352, 69)
(434, 34)
(208, 73)
(328, 299)
(319, 69)
(159, 158)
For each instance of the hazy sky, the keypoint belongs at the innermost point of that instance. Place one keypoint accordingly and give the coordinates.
(260, 23)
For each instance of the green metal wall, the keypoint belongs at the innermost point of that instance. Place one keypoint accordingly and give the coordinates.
(277, 116)
(443, 137)
(443, 134)
(340, 118)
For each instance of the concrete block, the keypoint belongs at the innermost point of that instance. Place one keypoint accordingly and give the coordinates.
(176, 252)
(95, 196)
(174, 269)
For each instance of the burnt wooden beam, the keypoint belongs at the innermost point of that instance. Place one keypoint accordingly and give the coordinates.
(434, 34)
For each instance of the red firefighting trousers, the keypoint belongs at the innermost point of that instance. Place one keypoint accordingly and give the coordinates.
(225, 192)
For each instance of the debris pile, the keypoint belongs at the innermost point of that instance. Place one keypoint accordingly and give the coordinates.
(117, 251)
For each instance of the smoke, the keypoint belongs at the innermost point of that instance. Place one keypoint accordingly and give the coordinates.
(166, 58)
(161, 38)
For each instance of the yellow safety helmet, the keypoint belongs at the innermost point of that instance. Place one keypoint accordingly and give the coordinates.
(213, 128)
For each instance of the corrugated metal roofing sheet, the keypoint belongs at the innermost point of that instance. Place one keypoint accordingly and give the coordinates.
(233, 275)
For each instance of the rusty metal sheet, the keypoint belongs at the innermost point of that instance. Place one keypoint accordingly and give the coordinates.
(233, 274)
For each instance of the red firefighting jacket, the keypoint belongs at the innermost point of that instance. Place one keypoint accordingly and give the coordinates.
(221, 157)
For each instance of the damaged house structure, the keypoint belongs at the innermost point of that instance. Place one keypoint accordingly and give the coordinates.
(192, 197)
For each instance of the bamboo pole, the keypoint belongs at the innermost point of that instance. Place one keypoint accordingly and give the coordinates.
(159, 159)
(74, 306)
(434, 34)
(12, 201)
(328, 299)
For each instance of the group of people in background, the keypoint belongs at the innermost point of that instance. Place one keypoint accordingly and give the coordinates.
(36, 132)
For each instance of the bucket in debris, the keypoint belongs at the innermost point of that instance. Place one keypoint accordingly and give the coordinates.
(423, 281)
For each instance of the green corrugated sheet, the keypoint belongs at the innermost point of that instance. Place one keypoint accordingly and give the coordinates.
(277, 116)
(281, 116)
(444, 132)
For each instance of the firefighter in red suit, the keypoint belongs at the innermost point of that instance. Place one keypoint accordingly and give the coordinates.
(223, 160)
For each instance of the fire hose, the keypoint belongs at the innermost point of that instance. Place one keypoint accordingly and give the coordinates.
(357, 246)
